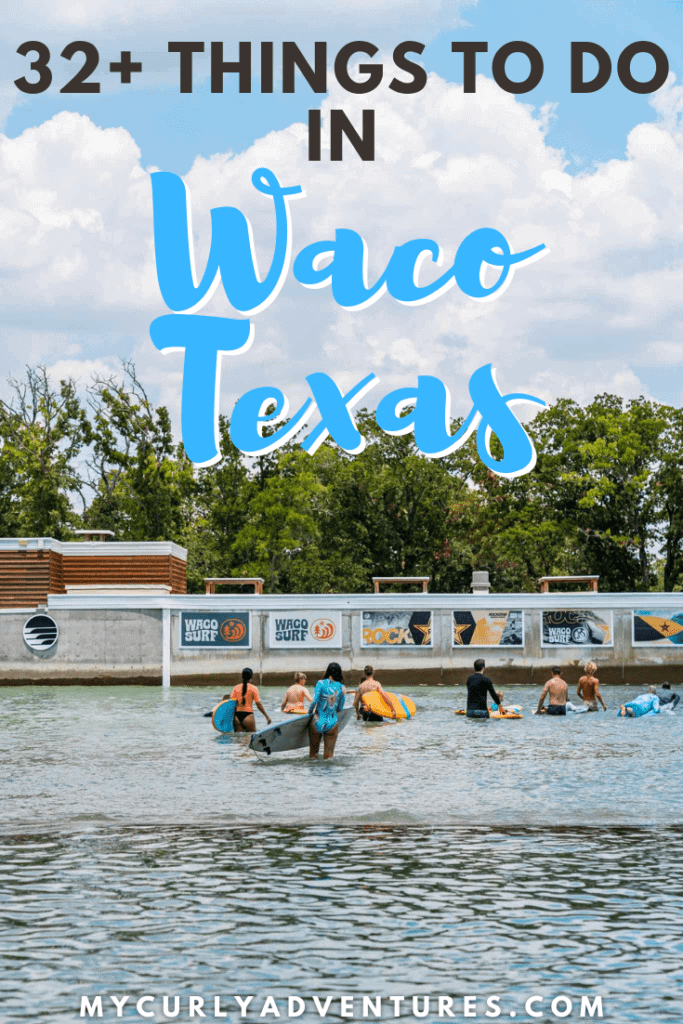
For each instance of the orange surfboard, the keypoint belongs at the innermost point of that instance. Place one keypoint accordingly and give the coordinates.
(385, 703)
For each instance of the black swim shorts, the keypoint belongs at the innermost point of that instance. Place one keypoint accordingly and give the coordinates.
(370, 716)
(477, 713)
(556, 709)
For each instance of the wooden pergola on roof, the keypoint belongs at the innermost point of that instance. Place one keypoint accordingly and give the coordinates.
(211, 582)
(424, 580)
(545, 582)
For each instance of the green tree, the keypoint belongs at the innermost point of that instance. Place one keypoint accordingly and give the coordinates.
(144, 484)
(42, 430)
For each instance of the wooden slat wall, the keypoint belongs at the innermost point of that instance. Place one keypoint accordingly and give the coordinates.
(27, 577)
(24, 578)
(56, 573)
(178, 575)
(101, 569)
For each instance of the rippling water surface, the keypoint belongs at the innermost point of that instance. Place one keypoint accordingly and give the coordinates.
(142, 854)
(374, 910)
(132, 754)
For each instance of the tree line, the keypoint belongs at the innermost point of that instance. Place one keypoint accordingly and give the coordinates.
(606, 496)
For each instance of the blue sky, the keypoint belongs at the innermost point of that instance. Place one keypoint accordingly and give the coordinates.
(172, 128)
(597, 178)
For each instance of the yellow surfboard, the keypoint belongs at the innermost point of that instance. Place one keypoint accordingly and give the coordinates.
(385, 703)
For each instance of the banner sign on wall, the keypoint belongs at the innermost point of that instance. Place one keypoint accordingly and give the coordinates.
(488, 629)
(657, 629)
(576, 629)
(396, 629)
(305, 629)
(215, 630)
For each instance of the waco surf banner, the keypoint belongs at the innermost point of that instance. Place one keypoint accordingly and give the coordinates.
(396, 629)
(572, 628)
(304, 629)
(220, 630)
(657, 628)
(488, 629)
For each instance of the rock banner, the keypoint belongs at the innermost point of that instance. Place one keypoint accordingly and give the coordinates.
(396, 629)
(488, 628)
(576, 628)
(305, 629)
(657, 628)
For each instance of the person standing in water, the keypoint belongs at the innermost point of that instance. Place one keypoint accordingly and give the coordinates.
(328, 701)
(369, 685)
(478, 686)
(293, 700)
(589, 688)
(246, 695)
(557, 689)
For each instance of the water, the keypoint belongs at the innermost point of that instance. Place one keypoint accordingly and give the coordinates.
(135, 754)
(141, 854)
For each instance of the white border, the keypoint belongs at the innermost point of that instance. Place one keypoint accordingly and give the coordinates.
(299, 613)
(493, 647)
(604, 613)
(219, 649)
(396, 647)
(637, 644)
(39, 650)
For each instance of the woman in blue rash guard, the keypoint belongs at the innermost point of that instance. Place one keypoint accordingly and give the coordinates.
(646, 704)
(328, 701)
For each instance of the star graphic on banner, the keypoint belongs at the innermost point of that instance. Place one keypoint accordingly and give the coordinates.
(458, 632)
(426, 633)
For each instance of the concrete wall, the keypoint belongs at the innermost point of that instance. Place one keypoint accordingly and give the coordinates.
(120, 640)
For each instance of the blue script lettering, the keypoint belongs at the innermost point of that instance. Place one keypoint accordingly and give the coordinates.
(232, 261)
(231, 258)
(431, 416)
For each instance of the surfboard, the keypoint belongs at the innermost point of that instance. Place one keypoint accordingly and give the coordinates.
(290, 735)
(223, 716)
(384, 704)
(512, 712)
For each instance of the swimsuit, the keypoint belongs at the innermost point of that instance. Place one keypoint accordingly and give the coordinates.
(244, 704)
(556, 709)
(370, 716)
(328, 699)
(241, 715)
(478, 686)
(646, 704)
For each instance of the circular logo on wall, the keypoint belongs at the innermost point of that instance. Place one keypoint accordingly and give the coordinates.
(233, 630)
(323, 630)
(41, 632)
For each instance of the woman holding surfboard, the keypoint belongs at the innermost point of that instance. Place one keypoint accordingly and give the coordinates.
(246, 695)
(328, 701)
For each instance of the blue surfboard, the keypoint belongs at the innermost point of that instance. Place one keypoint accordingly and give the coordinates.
(223, 718)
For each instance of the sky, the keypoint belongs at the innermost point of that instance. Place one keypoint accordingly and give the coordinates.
(596, 178)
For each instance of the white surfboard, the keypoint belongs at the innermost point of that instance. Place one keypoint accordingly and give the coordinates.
(290, 735)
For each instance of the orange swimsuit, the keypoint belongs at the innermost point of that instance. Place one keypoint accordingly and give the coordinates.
(245, 703)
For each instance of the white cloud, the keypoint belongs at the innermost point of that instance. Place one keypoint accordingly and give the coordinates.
(600, 312)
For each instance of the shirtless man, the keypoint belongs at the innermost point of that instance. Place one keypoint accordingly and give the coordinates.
(557, 689)
(368, 684)
(589, 688)
(293, 700)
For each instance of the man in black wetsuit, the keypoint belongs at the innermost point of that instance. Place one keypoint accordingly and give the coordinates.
(478, 686)
(668, 696)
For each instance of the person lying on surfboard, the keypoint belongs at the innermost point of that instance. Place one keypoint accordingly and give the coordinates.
(293, 700)
(368, 685)
(246, 695)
